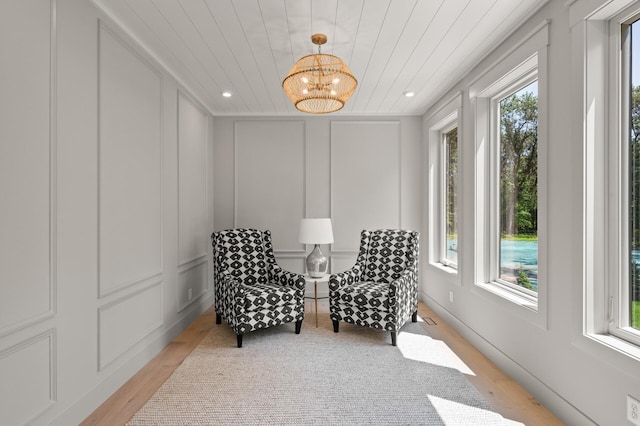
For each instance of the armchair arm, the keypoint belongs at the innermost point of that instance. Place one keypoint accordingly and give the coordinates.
(227, 278)
(286, 278)
(347, 277)
(231, 285)
(402, 287)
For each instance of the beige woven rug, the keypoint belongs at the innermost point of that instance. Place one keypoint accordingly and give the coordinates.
(319, 377)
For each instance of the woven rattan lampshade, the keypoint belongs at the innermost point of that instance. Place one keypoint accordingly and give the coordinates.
(319, 83)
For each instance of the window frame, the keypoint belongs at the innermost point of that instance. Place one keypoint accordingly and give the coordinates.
(618, 175)
(597, 124)
(523, 62)
(494, 276)
(447, 117)
(443, 197)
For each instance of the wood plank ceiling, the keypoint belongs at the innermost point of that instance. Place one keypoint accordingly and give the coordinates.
(249, 46)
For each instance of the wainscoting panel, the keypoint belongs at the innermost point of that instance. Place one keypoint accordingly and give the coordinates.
(28, 384)
(130, 171)
(291, 263)
(270, 179)
(192, 282)
(26, 148)
(341, 263)
(192, 181)
(365, 179)
(124, 322)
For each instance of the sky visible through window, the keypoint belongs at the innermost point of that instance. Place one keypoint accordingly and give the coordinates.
(531, 88)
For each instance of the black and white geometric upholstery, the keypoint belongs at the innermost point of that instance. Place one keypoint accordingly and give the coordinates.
(381, 290)
(251, 291)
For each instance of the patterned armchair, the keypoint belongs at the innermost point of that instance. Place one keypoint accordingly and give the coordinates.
(381, 290)
(251, 291)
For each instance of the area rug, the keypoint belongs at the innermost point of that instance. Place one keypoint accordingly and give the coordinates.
(319, 377)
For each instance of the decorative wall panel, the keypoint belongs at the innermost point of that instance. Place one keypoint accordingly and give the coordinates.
(27, 180)
(365, 179)
(28, 379)
(270, 179)
(341, 263)
(292, 263)
(130, 172)
(192, 283)
(124, 322)
(193, 233)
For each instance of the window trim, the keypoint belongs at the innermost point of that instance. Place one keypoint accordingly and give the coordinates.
(517, 84)
(522, 63)
(445, 118)
(442, 253)
(519, 78)
(617, 171)
(595, 110)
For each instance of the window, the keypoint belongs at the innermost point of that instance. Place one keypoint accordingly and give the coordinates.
(510, 188)
(517, 115)
(444, 158)
(507, 186)
(450, 198)
(610, 130)
(625, 291)
(631, 289)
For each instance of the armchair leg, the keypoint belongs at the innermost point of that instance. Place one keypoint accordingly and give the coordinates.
(393, 338)
(414, 317)
(239, 337)
(218, 318)
(298, 326)
(336, 325)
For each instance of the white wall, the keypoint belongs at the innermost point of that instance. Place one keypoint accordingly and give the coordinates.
(106, 168)
(107, 175)
(363, 173)
(547, 356)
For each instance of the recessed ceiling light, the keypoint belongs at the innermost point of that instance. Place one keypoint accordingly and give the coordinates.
(409, 94)
(227, 93)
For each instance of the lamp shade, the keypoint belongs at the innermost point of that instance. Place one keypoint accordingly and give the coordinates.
(315, 231)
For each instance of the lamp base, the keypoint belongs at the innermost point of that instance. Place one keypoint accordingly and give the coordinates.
(317, 263)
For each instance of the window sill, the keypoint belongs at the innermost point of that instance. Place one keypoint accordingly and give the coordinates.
(617, 344)
(445, 268)
(529, 303)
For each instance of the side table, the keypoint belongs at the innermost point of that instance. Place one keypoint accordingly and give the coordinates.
(315, 281)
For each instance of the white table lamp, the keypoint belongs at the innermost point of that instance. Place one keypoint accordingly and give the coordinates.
(316, 231)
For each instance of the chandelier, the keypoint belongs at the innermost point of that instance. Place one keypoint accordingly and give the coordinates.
(319, 83)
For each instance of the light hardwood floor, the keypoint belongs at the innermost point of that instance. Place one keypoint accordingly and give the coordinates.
(504, 394)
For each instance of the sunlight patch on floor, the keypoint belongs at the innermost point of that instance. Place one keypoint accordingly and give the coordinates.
(423, 348)
(455, 413)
